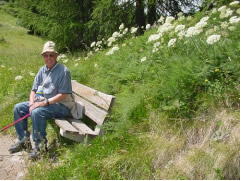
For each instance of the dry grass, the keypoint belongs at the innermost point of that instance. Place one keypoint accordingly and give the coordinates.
(210, 149)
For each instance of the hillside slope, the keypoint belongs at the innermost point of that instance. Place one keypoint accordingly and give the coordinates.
(176, 114)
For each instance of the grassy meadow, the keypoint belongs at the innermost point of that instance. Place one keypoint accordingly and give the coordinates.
(176, 114)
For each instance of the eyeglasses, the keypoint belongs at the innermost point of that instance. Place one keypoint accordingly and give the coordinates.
(48, 55)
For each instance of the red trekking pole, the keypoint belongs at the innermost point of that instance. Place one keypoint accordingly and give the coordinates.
(15, 122)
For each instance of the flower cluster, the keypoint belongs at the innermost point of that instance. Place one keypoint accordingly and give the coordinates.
(175, 30)
(213, 39)
(112, 50)
(19, 77)
(63, 58)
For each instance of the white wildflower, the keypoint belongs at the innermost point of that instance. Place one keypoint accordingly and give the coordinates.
(179, 28)
(90, 54)
(209, 32)
(222, 14)
(115, 35)
(61, 56)
(204, 19)
(78, 59)
(231, 28)
(148, 26)
(234, 3)
(234, 19)
(32, 74)
(125, 31)
(19, 77)
(120, 35)
(110, 41)
(155, 50)
(66, 60)
(109, 44)
(123, 44)
(161, 19)
(97, 49)
(216, 28)
(224, 33)
(172, 42)
(181, 34)
(2, 66)
(224, 25)
(201, 25)
(214, 11)
(228, 13)
(213, 39)
(221, 8)
(121, 27)
(181, 18)
(165, 28)
(92, 44)
(115, 48)
(133, 30)
(76, 64)
(180, 14)
(156, 44)
(154, 37)
(169, 19)
(192, 31)
(189, 18)
(143, 59)
(238, 11)
(96, 65)
(98, 44)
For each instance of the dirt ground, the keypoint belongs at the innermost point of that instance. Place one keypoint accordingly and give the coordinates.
(12, 166)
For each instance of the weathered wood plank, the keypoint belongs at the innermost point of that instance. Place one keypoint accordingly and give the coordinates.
(66, 126)
(96, 114)
(75, 137)
(97, 97)
(83, 128)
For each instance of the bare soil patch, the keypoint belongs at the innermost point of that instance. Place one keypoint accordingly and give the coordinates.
(12, 166)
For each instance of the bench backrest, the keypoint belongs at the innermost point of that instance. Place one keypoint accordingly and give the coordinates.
(97, 104)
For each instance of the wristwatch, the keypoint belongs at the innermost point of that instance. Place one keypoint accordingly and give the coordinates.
(47, 101)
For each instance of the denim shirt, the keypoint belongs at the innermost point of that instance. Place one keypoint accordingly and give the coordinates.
(58, 81)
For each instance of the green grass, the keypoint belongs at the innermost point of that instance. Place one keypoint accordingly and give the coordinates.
(19, 55)
(167, 108)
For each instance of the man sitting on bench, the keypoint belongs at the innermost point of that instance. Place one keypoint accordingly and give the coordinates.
(50, 98)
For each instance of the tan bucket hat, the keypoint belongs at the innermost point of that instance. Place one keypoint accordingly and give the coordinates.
(49, 46)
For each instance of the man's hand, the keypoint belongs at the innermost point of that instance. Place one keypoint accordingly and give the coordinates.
(37, 104)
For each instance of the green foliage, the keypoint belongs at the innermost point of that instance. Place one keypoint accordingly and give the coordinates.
(108, 15)
(158, 95)
(61, 21)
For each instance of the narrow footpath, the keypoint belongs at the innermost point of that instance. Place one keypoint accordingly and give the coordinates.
(12, 166)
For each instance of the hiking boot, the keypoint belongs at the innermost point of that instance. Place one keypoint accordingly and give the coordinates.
(23, 144)
(36, 153)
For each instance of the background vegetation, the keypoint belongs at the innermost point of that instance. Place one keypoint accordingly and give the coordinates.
(75, 24)
(176, 114)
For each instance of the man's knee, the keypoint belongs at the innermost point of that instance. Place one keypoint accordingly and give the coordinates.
(37, 112)
(18, 107)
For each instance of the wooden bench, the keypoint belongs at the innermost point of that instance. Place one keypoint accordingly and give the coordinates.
(97, 107)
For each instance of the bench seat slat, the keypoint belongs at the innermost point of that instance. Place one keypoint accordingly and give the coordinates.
(93, 112)
(83, 128)
(66, 126)
(96, 97)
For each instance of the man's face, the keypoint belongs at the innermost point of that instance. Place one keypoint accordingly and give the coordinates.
(50, 59)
